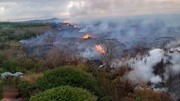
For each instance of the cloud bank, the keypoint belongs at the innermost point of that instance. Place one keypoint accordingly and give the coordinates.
(31, 9)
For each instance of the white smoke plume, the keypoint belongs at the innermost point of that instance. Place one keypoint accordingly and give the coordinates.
(142, 31)
(156, 79)
(143, 68)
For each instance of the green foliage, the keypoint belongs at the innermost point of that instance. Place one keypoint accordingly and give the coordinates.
(67, 76)
(19, 31)
(104, 90)
(15, 34)
(2, 58)
(21, 24)
(26, 89)
(121, 88)
(83, 67)
(111, 85)
(1, 70)
(25, 65)
(64, 93)
(138, 98)
(20, 65)
(10, 81)
(10, 65)
(13, 58)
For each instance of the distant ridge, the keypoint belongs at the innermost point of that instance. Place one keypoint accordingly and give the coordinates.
(52, 20)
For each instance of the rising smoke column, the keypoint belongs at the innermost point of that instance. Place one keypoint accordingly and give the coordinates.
(143, 68)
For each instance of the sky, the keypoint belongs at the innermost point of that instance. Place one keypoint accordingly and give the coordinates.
(11, 10)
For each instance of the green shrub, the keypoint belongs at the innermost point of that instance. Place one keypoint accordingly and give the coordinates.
(1, 70)
(20, 65)
(2, 57)
(10, 65)
(83, 67)
(64, 93)
(26, 89)
(27, 65)
(67, 76)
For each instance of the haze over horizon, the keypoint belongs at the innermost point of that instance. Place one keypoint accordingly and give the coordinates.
(11, 10)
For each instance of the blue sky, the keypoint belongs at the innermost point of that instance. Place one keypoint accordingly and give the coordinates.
(35, 9)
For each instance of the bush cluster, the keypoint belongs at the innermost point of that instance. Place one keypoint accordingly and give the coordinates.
(64, 93)
(67, 76)
(26, 89)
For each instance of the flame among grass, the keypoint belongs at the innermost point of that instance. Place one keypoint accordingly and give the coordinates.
(100, 49)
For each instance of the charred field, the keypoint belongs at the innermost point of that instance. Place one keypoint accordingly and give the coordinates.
(113, 59)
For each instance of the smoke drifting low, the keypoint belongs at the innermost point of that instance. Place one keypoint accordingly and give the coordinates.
(143, 68)
(160, 68)
(154, 34)
(150, 45)
(144, 31)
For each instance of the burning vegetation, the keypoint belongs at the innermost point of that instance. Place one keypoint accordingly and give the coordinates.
(100, 49)
(126, 69)
(67, 22)
(86, 36)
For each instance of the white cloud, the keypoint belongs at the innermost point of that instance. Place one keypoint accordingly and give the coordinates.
(2, 9)
(125, 7)
(21, 9)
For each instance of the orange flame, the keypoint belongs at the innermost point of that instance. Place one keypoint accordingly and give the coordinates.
(100, 49)
(86, 36)
(67, 22)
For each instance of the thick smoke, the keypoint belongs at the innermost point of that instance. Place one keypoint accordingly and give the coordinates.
(143, 31)
(160, 68)
(154, 36)
(174, 55)
(143, 68)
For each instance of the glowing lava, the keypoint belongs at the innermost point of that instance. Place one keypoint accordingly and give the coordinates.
(86, 36)
(100, 49)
